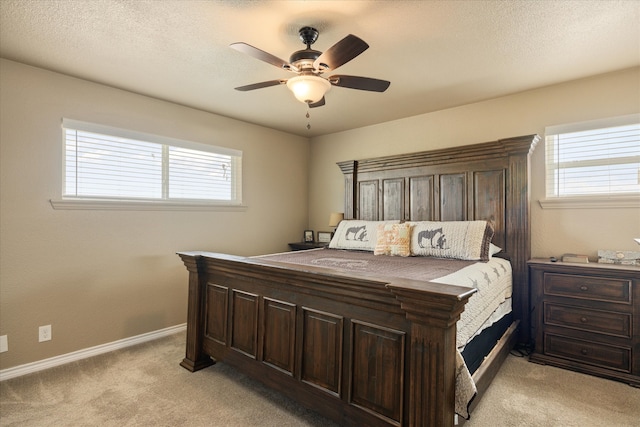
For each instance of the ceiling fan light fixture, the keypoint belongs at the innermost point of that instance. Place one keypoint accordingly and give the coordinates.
(308, 89)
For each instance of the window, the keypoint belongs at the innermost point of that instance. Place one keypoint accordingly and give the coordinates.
(594, 159)
(110, 164)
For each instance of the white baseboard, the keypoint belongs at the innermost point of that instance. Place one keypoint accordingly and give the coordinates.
(40, 365)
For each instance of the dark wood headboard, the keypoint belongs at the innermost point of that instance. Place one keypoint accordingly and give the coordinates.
(488, 181)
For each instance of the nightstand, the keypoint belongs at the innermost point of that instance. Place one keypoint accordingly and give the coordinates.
(586, 317)
(301, 246)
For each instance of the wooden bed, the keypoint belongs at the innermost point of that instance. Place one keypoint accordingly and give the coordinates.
(363, 350)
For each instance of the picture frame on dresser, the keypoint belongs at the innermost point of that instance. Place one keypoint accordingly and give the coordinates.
(324, 236)
(308, 236)
(586, 318)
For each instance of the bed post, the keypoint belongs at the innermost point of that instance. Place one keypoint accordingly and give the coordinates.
(432, 349)
(195, 358)
(350, 170)
(518, 218)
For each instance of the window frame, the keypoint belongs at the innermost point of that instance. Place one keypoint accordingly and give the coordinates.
(608, 200)
(142, 203)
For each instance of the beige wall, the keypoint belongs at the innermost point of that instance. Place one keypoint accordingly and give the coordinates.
(554, 232)
(100, 276)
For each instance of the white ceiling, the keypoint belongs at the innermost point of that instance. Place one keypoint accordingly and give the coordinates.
(437, 54)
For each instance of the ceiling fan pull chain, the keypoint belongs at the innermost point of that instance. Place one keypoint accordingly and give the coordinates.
(308, 121)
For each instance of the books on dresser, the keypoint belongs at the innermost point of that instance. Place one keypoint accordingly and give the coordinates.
(582, 259)
(619, 257)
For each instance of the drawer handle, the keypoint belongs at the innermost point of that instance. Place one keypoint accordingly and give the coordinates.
(583, 319)
(584, 288)
(584, 351)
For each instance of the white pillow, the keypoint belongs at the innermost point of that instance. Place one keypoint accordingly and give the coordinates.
(493, 249)
(357, 235)
(467, 240)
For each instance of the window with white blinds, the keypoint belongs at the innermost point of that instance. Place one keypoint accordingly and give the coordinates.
(107, 163)
(594, 159)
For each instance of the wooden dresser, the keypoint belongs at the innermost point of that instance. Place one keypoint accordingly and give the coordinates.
(586, 317)
(301, 246)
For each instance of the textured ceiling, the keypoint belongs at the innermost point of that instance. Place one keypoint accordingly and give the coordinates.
(437, 54)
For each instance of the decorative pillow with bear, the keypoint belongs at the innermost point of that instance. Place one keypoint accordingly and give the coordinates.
(467, 240)
(357, 235)
(393, 239)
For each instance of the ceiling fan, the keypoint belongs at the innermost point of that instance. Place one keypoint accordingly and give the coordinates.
(309, 86)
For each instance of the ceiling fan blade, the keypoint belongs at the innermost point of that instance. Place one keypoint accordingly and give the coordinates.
(261, 85)
(360, 83)
(317, 104)
(261, 55)
(341, 53)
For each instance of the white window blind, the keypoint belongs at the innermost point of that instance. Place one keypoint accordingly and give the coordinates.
(596, 158)
(108, 163)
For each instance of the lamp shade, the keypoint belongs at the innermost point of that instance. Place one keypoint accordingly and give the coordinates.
(308, 89)
(335, 218)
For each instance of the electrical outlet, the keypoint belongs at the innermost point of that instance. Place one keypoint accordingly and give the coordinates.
(4, 344)
(44, 333)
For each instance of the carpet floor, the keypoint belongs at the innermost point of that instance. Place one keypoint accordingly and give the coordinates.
(145, 386)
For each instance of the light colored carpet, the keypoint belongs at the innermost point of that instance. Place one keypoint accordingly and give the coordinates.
(526, 394)
(145, 386)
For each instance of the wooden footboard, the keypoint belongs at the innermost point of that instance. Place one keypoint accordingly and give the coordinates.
(358, 350)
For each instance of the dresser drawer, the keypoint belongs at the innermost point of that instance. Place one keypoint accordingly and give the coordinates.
(606, 356)
(589, 288)
(604, 322)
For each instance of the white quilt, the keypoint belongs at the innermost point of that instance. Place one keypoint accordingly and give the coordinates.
(493, 281)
